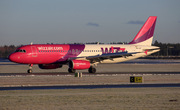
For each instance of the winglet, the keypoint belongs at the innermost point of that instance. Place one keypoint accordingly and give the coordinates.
(145, 35)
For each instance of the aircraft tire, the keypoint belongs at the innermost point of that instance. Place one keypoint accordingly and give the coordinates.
(71, 70)
(29, 71)
(92, 70)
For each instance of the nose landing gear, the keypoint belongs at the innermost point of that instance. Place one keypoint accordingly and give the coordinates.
(30, 68)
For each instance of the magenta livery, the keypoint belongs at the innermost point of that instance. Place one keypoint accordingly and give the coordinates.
(81, 56)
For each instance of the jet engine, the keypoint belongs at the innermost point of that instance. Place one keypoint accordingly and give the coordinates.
(79, 64)
(49, 66)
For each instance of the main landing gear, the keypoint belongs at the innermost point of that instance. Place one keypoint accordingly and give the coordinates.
(90, 70)
(71, 70)
(30, 68)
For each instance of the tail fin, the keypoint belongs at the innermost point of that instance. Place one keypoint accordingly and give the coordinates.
(145, 35)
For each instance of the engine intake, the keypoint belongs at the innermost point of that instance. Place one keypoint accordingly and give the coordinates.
(79, 64)
(49, 66)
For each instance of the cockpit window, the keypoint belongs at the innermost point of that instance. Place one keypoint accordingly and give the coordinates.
(21, 50)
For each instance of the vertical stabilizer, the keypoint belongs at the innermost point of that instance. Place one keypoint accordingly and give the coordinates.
(145, 35)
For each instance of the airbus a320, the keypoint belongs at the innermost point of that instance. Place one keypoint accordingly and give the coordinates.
(83, 56)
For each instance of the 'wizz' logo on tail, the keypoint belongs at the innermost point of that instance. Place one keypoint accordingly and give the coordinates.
(112, 50)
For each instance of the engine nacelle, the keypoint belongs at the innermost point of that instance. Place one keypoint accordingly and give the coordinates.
(79, 64)
(49, 66)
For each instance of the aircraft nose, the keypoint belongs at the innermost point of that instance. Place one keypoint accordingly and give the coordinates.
(12, 57)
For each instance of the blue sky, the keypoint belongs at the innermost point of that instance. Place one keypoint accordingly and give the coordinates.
(69, 21)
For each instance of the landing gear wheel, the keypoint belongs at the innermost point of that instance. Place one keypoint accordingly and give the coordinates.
(29, 71)
(92, 70)
(71, 70)
(30, 68)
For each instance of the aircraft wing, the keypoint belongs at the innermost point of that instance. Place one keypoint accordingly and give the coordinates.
(102, 57)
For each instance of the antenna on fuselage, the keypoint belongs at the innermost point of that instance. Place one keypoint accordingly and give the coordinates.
(31, 43)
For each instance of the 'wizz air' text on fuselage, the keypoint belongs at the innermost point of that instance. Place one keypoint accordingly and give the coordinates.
(112, 50)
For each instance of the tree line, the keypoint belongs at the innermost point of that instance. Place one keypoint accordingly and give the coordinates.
(6, 50)
(166, 49)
